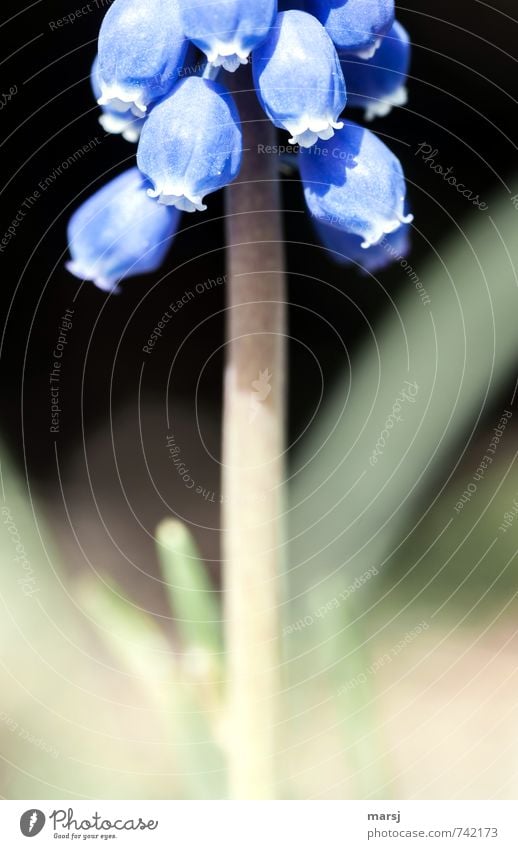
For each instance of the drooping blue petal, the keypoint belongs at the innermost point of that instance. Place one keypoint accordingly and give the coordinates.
(346, 248)
(191, 144)
(298, 78)
(119, 123)
(354, 182)
(120, 232)
(356, 26)
(141, 52)
(378, 84)
(227, 30)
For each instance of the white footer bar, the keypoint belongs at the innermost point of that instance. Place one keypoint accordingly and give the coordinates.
(260, 825)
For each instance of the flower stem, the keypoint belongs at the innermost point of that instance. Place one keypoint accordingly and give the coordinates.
(253, 453)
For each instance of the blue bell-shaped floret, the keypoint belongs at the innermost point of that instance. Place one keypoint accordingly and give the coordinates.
(142, 49)
(298, 78)
(120, 232)
(125, 124)
(378, 84)
(227, 30)
(191, 144)
(356, 26)
(354, 182)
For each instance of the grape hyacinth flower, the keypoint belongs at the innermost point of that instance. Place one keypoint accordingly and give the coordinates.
(309, 61)
(356, 26)
(191, 144)
(227, 30)
(120, 232)
(142, 49)
(298, 78)
(378, 84)
(355, 184)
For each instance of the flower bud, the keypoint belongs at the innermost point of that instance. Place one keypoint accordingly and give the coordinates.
(298, 78)
(191, 144)
(119, 232)
(141, 52)
(354, 182)
(378, 84)
(356, 26)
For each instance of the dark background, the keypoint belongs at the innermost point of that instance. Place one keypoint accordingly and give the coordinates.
(463, 81)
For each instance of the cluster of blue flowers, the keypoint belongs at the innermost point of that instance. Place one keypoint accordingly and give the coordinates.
(309, 59)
